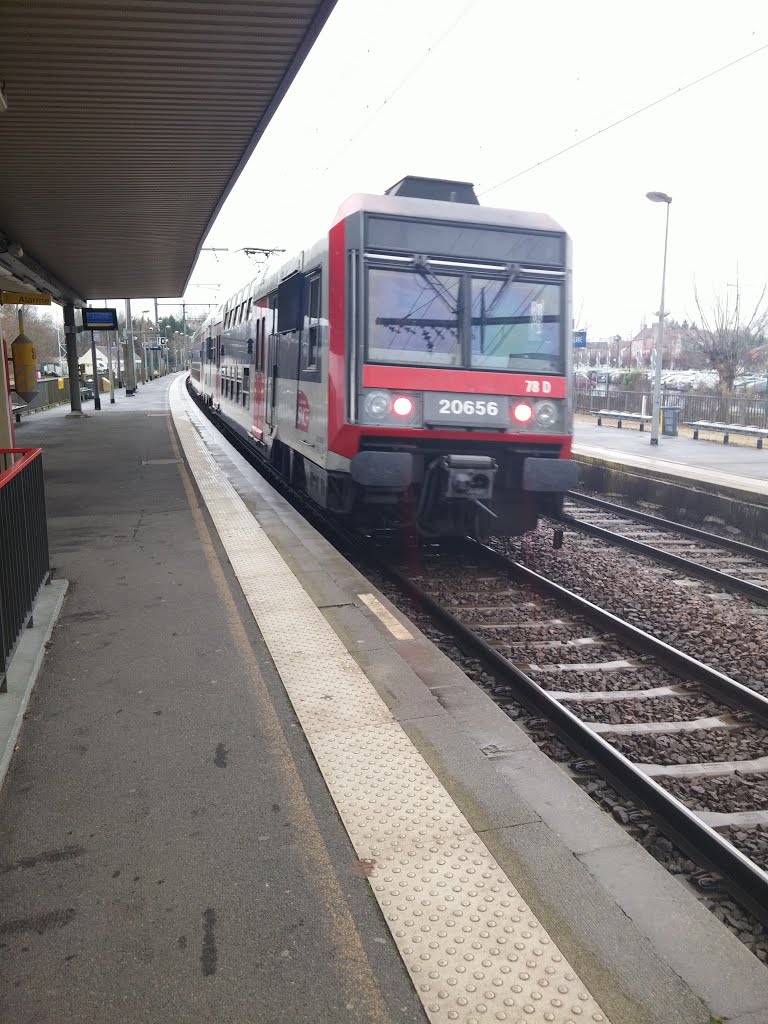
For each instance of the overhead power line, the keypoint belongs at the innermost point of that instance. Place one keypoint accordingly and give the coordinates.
(412, 70)
(627, 117)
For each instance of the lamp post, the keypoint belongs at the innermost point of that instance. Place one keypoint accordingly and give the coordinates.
(144, 346)
(659, 197)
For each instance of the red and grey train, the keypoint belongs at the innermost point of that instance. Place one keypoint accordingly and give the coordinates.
(412, 365)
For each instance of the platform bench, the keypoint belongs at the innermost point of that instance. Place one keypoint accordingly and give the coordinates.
(726, 429)
(635, 417)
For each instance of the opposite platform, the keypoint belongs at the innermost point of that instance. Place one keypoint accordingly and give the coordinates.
(741, 469)
(700, 480)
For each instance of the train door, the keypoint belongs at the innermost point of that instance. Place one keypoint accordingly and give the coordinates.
(270, 363)
(270, 372)
(259, 372)
(217, 364)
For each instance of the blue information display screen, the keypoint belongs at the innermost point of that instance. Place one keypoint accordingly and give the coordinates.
(100, 319)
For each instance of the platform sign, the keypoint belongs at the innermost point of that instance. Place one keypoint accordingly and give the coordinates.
(99, 319)
(579, 339)
(25, 299)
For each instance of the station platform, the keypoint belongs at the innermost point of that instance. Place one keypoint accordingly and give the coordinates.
(734, 466)
(701, 480)
(247, 788)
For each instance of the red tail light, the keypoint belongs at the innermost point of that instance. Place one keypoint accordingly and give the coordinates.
(402, 406)
(522, 412)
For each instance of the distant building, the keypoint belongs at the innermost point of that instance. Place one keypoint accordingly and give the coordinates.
(675, 342)
(102, 362)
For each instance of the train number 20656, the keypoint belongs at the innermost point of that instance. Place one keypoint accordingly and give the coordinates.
(468, 407)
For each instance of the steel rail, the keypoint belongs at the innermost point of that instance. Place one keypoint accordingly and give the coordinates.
(738, 546)
(748, 881)
(707, 573)
(720, 685)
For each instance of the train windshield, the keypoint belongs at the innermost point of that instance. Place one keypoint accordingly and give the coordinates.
(419, 316)
(515, 325)
(413, 318)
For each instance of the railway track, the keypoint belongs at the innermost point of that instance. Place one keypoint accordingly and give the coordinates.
(660, 725)
(729, 564)
(588, 673)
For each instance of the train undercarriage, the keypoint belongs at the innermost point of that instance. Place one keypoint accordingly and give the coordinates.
(434, 492)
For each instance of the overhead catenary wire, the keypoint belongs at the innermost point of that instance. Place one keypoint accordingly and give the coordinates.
(622, 120)
(411, 71)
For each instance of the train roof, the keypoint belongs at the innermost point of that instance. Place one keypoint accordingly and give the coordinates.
(437, 209)
(394, 203)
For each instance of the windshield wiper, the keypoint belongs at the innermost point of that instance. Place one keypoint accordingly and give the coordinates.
(423, 269)
(512, 272)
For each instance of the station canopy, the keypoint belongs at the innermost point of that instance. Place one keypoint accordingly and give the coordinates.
(127, 124)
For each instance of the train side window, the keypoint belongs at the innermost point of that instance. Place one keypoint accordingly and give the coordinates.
(246, 387)
(313, 324)
(290, 303)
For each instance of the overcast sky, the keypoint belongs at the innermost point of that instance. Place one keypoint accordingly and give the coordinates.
(479, 91)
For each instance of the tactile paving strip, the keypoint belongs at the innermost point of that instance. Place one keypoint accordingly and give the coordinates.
(474, 949)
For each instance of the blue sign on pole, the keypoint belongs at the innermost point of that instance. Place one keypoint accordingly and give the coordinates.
(99, 319)
(579, 339)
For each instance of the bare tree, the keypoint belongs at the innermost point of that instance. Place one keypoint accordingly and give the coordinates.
(39, 327)
(731, 338)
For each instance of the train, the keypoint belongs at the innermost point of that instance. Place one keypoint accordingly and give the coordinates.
(412, 367)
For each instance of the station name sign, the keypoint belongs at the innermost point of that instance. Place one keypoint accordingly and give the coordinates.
(25, 299)
(99, 319)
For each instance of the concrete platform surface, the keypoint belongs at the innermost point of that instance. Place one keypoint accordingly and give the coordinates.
(168, 851)
(734, 466)
(169, 847)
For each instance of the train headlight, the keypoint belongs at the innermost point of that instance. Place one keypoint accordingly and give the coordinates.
(383, 408)
(522, 412)
(377, 405)
(546, 414)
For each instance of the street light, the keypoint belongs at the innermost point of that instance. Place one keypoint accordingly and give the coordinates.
(144, 346)
(659, 197)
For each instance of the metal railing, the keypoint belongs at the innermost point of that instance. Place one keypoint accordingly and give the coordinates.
(24, 564)
(734, 409)
(48, 393)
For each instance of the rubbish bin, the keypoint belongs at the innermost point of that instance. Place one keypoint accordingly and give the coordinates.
(669, 418)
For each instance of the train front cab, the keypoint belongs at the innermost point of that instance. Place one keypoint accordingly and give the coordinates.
(457, 361)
